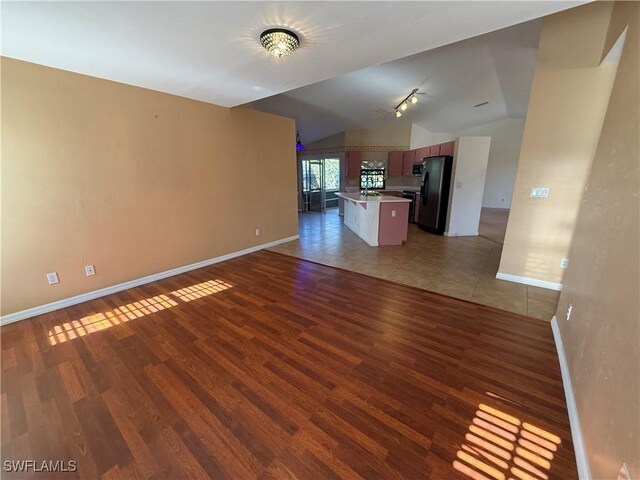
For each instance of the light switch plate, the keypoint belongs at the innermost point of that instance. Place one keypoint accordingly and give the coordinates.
(393, 213)
(539, 192)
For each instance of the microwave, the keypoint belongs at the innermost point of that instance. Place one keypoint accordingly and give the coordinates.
(417, 169)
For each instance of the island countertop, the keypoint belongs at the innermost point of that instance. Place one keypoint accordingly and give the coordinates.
(359, 198)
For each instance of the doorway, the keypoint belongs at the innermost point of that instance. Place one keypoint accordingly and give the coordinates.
(320, 180)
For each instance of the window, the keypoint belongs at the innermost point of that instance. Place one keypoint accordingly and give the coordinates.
(332, 173)
(372, 178)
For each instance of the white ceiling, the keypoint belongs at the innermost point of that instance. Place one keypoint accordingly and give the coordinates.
(496, 67)
(209, 51)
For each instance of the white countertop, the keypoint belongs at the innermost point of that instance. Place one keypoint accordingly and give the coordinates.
(357, 197)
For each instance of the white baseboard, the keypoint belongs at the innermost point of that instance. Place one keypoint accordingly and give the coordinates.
(534, 282)
(582, 461)
(84, 297)
(461, 234)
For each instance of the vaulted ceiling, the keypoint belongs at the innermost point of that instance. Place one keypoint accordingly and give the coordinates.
(496, 68)
(209, 51)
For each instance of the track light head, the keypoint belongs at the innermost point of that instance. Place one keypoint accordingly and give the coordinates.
(398, 114)
(414, 99)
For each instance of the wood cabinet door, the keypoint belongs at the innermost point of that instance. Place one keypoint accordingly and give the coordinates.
(407, 162)
(447, 148)
(422, 153)
(354, 162)
(435, 150)
(394, 163)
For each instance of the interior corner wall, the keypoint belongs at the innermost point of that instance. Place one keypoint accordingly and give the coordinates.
(603, 280)
(569, 97)
(130, 180)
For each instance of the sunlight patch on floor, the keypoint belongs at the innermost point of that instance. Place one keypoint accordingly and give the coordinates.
(101, 321)
(500, 447)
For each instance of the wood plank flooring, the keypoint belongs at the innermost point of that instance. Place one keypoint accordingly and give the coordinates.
(272, 367)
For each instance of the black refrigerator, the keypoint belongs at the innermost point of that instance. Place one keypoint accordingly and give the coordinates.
(434, 193)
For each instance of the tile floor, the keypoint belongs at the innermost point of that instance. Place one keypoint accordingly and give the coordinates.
(461, 267)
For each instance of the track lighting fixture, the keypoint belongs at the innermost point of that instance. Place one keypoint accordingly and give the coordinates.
(404, 104)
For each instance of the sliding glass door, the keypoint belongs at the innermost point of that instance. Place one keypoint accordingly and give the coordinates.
(320, 181)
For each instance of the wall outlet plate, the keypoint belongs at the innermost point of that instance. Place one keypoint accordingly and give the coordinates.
(258, 232)
(564, 263)
(52, 278)
(393, 213)
(89, 270)
(569, 310)
(624, 473)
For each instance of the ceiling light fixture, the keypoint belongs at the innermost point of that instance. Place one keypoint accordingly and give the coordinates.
(405, 102)
(279, 42)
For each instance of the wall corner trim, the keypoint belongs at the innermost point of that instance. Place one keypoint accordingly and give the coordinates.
(534, 282)
(582, 461)
(84, 297)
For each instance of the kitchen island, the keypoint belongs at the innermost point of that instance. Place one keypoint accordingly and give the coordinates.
(377, 219)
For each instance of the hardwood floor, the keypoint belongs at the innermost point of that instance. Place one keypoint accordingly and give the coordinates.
(268, 366)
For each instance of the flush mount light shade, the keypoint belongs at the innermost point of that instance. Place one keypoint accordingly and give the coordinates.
(279, 42)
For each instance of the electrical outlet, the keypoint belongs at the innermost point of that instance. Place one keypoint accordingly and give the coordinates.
(393, 213)
(624, 473)
(89, 270)
(257, 232)
(564, 263)
(569, 310)
(52, 278)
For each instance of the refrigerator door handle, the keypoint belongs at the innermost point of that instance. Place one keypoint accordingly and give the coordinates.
(423, 189)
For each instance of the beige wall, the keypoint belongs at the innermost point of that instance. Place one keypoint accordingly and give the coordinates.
(569, 97)
(130, 180)
(602, 281)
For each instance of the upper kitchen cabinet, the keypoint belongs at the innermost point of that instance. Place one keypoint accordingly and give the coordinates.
(394, 163)
(354, 162)
(446, 148)
(408, 159)
(435, 150)
(422, 153)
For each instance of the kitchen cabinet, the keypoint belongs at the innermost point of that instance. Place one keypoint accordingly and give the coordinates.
(446, 148)
(354, 162)
(394, 163)
(407, 162)
(435, 150)
(422, 153)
